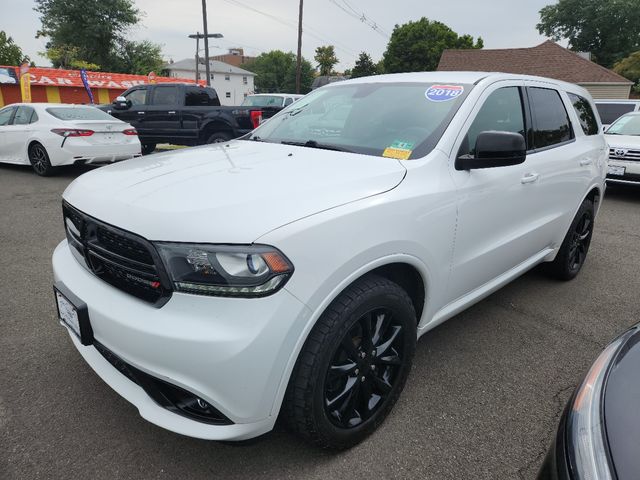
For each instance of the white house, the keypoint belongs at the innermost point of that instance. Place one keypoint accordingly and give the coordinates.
(232, 83)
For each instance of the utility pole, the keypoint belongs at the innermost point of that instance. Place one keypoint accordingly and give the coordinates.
(206, 36)
(197, 56)
(206, 42)
(299, 59)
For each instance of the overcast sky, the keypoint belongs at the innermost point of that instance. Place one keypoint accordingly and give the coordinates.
(501, 23)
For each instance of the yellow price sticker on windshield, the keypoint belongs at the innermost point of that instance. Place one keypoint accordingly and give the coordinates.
(398, 150)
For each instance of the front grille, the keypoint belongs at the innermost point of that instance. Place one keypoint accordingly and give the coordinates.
(120, 258)
(624, 154)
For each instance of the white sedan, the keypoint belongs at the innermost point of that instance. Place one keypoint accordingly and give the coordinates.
(48, 135)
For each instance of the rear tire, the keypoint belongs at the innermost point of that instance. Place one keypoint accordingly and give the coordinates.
(39, 159)
(148, 148)
(574, 248)
(219, 137)
(353, 366)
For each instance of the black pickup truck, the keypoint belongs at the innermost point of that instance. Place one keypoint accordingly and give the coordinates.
(181, 114)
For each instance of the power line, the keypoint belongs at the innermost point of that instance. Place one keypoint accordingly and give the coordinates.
(347, 8)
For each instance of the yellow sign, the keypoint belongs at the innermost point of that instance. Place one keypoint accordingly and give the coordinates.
(25, 83)
(397, 153)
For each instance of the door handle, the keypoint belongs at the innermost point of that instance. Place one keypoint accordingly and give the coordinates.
(530, 178)
(140, 113)
(171, 112)
(586, 161)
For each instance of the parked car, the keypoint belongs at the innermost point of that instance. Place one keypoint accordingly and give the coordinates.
(611, 110)
(48, 135)
(623, 138)
(290, 273)
(599, 431)
(270, 103)
(181, 114)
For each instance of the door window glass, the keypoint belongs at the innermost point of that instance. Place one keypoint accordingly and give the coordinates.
(585, 114)
(502, 111)
(165, 95)
(550, 118)
(610, 112)
(5, 115)
(137, 97)
(23, 116)
(199, 97)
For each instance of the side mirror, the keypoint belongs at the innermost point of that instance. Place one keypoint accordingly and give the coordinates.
(495, 149)
(121, 103)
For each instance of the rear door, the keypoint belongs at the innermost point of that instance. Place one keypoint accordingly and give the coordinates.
(162, 118)
(6, 114)
(198, 102)
(17, 133)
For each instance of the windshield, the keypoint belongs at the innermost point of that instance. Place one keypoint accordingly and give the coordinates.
(626, 125)
(397, 120)
(79, 113)
(263, 101)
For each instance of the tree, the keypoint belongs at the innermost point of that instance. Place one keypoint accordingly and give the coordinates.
(609, 30)
(417, 46)
(326, 59)
(630, 68)
(276, 72)
(10, 53)
(95, 32)
(364, 66)
(67, 56)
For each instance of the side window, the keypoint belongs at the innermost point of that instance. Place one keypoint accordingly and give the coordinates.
(585, 114)
(288, 101)
(199, 97)
(165, 95)
(551, 124)
(5, 115)
(137, 97)
(23, 116)
(610, 112)
(227, 95)
(34, 117)
(502, 111)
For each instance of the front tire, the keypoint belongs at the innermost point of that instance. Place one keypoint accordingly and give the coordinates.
(353, 366)
(574, 248)
(39, 159)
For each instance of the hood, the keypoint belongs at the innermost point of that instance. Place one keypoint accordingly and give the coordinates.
(623, 141)
(228, 193)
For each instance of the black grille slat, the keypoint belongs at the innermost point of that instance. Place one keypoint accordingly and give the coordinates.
(118, 257)
(628, 156)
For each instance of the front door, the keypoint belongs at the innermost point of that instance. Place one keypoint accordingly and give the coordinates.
(162, 118)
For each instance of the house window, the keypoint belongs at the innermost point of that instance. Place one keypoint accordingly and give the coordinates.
(211, 76)
(244, 80)
(227, 77)
(228, 94)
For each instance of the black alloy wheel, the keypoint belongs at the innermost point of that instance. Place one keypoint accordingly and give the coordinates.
(573, 252)
(364, 368)
(353, 365)
(40, 160)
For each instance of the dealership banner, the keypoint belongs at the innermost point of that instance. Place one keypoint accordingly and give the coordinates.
(85, 82)
(25, 83)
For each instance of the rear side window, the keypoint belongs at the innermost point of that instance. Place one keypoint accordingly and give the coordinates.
(165, 95)
(23, 116)
(610, 112)
(502, 111)
(551, 125)
(78, 113)
(201, 97)
(585, 114)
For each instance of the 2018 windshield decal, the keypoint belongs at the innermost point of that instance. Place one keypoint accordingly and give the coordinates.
(444, 93)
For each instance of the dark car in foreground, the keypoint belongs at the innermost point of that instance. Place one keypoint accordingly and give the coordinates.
(599, 433)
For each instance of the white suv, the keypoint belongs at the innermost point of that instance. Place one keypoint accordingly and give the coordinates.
(290, 272)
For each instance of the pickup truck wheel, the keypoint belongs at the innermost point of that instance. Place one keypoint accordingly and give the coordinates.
(219, 137)
(147, 148)
(39, 159)
(353, 366)
(573, 252)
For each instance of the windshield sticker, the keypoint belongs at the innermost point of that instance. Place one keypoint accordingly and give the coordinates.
(398, 150)
(443, 93)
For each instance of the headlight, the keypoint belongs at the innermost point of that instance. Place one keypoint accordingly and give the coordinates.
(587, 447)
(225, 270)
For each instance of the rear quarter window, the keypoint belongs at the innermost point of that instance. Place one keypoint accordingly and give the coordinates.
(585, 113)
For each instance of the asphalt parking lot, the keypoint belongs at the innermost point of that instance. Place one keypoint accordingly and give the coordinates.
(482, 400)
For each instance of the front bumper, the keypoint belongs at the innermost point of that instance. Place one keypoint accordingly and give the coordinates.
(631, 173)
(230, 352)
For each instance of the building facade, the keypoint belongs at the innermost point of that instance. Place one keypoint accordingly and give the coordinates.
(232, 83)
(235, 57)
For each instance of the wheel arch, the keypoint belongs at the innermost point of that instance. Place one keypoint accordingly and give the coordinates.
(215, 126)
(399, 268)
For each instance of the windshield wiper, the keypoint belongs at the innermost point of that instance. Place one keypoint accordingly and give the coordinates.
(314, 144)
